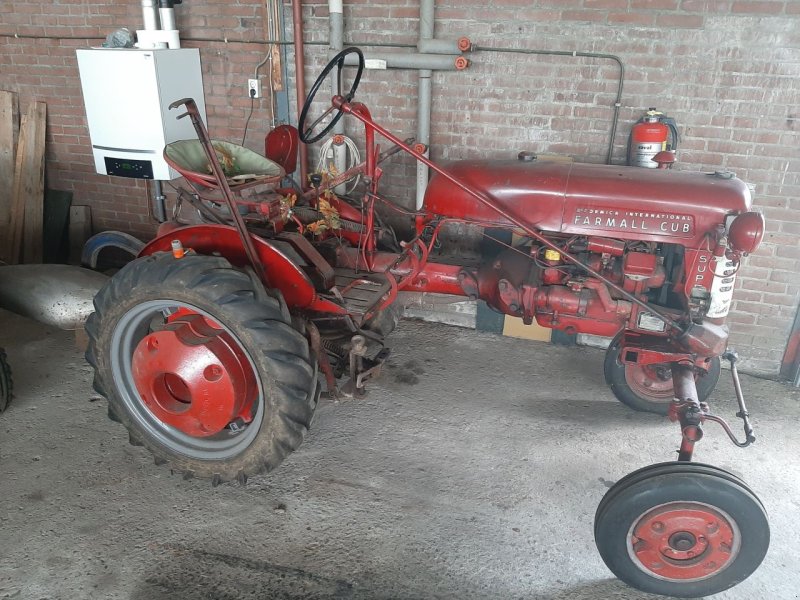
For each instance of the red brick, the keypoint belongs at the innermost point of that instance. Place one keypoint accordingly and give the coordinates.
(680, 20)
(654, 4)
(633, 18)
(605, 3)
(765, 7)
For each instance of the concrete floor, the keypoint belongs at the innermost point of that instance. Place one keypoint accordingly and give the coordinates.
(472, 470)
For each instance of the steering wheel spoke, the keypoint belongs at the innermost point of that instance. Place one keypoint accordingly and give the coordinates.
(338, 62)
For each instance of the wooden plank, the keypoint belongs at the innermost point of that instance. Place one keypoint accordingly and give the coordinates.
(8, 143)
(31, 184)
(80, 230)
(13, 241)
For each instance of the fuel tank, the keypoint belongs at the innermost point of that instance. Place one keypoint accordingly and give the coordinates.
(577, 198)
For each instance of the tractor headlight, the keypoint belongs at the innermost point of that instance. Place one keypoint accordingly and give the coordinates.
(745, 232)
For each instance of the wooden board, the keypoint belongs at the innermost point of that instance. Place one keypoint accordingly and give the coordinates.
(8, 143)
(30, 182)
(28, 187)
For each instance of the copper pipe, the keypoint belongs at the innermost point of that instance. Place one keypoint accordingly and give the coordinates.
(299, 78)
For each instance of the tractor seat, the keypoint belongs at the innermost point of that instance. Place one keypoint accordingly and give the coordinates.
(242, 167)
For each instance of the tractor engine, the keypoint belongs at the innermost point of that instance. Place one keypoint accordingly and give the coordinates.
(538, 284)
(613, 239)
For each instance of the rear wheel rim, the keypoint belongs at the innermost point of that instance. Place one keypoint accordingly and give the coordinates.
(683, 541)
(170, 401)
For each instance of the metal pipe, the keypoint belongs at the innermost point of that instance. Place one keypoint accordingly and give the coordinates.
(336, 25)
(438, 62)
(299, 78)
(159, 208)
(454, 47)
(149, 15)
(597, 55)
(424, 99)
(167, 16)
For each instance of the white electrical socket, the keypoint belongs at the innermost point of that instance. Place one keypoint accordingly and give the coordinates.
(253, 85)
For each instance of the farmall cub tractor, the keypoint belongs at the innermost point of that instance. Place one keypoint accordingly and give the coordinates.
(208, 346)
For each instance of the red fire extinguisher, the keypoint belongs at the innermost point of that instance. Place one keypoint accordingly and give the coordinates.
(650, 135)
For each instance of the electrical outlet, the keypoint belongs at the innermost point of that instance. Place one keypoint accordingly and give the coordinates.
(253, 88)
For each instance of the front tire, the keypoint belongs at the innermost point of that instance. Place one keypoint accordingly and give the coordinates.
(649, 388)
(681, 529)
(202, 370)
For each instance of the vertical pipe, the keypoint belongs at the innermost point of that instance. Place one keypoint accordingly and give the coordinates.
(159, 209)
(282, 96)
(299, 76)
(149, 15)
(426, 16)
(336, 37)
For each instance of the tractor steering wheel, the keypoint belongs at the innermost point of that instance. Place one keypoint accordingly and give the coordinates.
(338, 62)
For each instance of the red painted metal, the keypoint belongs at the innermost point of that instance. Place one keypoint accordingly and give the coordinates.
(684, 541)
(746, 232)
(299, 79)
(665, 159)
(591, 199)
(281, 146)
(605, 246)
(640, 264)
(434, 277)
(193, 376)
(281, 271)
(790, 365)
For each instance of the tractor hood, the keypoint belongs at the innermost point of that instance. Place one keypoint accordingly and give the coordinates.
(577, 198)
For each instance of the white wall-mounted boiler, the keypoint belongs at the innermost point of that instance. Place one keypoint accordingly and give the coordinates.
(127, 93)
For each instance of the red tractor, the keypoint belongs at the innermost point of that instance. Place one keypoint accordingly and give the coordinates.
(208, 346)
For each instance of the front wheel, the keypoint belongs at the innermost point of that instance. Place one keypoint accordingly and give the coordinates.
(201, 368)
(681, 529)
(649, 388)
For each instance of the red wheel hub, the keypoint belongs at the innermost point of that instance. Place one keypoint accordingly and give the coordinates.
(684, 541)
(193, 376)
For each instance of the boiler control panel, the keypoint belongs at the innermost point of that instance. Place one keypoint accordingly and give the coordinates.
(126, 167)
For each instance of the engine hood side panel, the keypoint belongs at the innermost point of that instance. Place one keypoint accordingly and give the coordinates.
(574, 198)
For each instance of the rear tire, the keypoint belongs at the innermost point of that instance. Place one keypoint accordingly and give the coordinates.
(157, 296)
(641, 388)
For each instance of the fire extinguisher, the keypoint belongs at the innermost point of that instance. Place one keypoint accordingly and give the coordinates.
(650, 135)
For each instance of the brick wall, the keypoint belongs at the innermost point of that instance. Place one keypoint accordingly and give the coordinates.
(727, 70)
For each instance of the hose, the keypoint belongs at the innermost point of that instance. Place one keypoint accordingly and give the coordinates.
(354, 158)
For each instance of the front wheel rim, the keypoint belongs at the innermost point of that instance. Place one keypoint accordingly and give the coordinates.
(162, 399)
(683, 541)
(645, 382)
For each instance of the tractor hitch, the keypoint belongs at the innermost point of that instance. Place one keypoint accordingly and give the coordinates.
(362, 369)
(691, 413)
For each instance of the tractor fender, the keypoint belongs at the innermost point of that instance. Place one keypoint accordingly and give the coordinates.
(281, 271)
